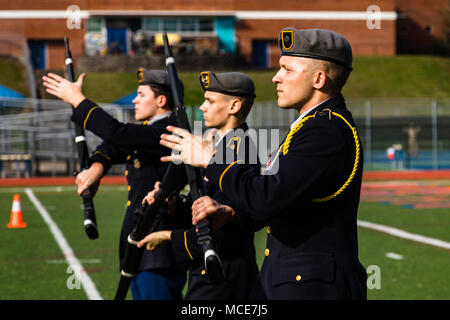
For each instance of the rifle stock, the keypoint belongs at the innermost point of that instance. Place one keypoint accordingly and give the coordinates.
(148, 220)
(90, 222)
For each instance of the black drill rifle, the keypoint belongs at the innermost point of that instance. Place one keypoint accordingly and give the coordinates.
(148, 220)
(90, 222)
(213, 264)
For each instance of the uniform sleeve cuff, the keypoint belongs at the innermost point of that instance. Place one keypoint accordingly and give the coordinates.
(101, 158)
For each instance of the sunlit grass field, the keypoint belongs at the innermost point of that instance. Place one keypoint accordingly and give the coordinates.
(33, 267)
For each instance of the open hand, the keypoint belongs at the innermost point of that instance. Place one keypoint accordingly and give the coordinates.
(64, 89)
(192, 150)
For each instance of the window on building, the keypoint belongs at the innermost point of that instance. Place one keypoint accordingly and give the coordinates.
(170, 25)
(151, 24)
(190, 25)
(206, 24)
(94, 24)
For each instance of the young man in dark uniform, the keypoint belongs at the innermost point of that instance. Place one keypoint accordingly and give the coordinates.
(137, 146)
(228, 100)
(310, 200)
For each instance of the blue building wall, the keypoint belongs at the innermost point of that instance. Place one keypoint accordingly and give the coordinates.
(225, 29)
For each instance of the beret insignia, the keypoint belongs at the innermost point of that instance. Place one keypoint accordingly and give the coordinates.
(205, 79)
(287, 39)
(140, 75)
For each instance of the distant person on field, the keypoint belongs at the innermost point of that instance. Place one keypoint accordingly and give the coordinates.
(412, 131)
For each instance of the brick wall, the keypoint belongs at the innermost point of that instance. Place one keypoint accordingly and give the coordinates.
(52, 31)
(421, 24)
(363, 40)
(197, 5)
(420, 15)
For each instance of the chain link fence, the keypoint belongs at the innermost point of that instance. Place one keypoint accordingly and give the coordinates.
(396, 134)
(36, 136)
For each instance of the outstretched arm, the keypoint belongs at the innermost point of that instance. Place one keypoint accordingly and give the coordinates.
(91, 117)
(193, 150)
(315, 155)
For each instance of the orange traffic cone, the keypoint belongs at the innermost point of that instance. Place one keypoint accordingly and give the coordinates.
(16, 220)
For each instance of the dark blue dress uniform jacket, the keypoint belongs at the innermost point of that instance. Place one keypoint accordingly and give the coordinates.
(234, 241)
(312, 248)
(138, 147)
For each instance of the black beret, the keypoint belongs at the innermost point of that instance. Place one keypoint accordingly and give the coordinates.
(229, 83)
(316, 44)
(154, 78)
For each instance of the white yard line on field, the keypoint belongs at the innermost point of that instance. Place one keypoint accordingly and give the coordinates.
(405, 235)
(86, 282)
(394, 256)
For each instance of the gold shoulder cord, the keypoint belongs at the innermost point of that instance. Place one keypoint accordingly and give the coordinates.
(287, 142)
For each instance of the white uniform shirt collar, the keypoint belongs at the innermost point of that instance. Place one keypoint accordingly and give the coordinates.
(305, 113)
(216, 143)
(159, 117)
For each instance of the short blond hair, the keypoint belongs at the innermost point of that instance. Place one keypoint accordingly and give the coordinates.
(337, 75)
